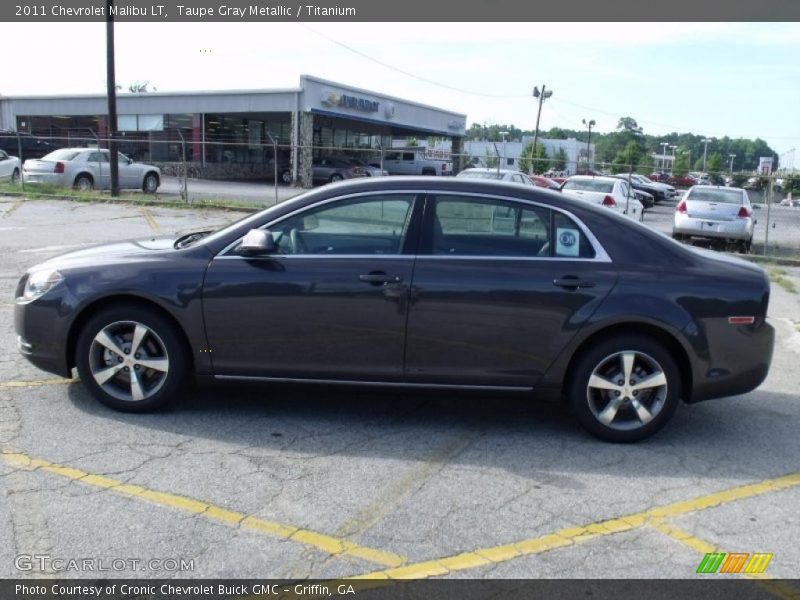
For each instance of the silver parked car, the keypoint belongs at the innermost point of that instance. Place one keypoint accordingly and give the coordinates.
(721, 214)
(9, 167)
(89, 168)
(509, 175)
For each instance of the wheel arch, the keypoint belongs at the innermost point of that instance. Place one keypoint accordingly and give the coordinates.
(81, 174)
(91, 309)
(659, 334)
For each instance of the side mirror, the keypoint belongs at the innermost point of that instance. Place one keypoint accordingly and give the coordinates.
(257, 242)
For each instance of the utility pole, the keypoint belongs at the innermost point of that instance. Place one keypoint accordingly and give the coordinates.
(111, 84)
(541, 96)
(589, 124)
(730, 169)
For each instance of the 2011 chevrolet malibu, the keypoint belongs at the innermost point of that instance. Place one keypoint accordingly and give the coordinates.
(419, 282)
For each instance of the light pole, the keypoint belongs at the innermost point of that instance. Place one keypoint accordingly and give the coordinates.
(589, 124)
(541, 96)
(706, 141)
(664, 155)
(504, 134)
(730, 169)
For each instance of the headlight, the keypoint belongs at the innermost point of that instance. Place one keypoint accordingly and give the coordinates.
(39, 283)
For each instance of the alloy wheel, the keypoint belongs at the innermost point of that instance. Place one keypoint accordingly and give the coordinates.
(627, 390)
(129, 361)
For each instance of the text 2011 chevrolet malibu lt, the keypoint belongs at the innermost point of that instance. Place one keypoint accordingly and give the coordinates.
(418, 282)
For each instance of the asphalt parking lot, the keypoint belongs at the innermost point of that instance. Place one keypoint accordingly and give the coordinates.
(292, 482)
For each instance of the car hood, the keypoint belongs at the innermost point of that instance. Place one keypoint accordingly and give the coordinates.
(114, 252)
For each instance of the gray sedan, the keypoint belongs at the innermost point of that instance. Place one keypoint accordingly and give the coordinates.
(89, 168)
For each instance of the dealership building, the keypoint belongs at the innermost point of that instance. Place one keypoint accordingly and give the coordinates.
(235, 133)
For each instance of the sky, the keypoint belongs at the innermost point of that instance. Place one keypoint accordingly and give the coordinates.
(712, 79)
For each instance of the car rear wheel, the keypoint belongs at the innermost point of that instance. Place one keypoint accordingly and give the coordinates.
(625, 388)
(132, 359)
(84, 183)
(15, 176)
(286, 176)
(150, 183)
(336, 177)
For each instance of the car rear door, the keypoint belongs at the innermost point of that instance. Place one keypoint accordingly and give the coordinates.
(500, 287)
(329, 304)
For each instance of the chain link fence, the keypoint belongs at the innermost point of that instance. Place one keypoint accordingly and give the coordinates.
(266, 171)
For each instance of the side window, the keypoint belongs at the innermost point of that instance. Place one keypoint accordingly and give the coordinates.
(466, 226)
(374, 225)
(3, 155)
(97, 157)
(408, 156)
(570, 240)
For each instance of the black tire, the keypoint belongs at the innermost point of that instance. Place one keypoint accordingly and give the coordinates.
(15, 176)
(84, 182)
(162, 341)
(336, 177)
(607, 360)
(150, 183)
(285, 176)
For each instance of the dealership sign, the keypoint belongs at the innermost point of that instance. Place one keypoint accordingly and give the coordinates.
(351, 102)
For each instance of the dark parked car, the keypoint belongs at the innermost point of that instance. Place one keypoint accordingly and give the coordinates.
(329, 169)
(32, 147)
(411, 281)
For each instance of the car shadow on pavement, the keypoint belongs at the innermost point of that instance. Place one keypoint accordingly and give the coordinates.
(742, 438)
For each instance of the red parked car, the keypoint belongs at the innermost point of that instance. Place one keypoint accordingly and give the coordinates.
(545, 182)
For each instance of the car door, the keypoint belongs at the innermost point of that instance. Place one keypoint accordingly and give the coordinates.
(97, 164)
(500, 287)
(331, 301)
(6, 165)
(130, 173)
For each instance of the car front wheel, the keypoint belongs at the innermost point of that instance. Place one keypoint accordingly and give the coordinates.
(625, 388)
(132, 359)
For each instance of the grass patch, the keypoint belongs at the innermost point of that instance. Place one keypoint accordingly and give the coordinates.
(778, 277)
(52, 192)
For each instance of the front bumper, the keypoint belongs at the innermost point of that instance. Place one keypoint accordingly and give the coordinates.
(42, 335)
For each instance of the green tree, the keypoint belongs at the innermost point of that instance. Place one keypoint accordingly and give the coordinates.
(628, 158)
(681, 165)
(560, 160)
(715, 164)
(411, 142)
(491, 159)
(534, 160)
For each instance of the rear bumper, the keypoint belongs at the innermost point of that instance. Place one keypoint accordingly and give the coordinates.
(738, 229)
(735, 359)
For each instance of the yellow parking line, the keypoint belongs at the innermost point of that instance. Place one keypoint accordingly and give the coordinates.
(148, 216)
(776, 588)
(328, 544)
(576, 535)
(13, 208)
(36, 383)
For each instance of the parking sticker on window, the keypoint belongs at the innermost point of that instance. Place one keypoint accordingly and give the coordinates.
(567, 242)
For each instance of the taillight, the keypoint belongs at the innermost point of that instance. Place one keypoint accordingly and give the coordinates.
(744, 213)
(681, 208)
(59, 167)
(609, 201)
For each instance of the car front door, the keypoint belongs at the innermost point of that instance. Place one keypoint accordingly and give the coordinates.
(130, 174)
(6, 165)
(329, 304)
(97, 164)
(500, 287)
